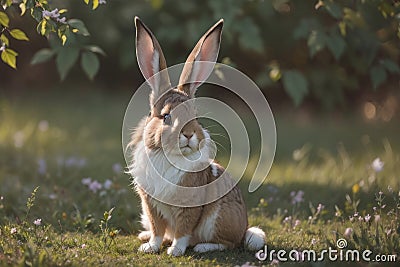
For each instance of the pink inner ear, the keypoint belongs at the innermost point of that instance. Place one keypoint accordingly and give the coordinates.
(146, 52)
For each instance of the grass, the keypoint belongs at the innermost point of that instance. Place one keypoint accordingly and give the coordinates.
(51, 142)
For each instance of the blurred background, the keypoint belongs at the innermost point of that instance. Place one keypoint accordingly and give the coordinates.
(329, 70)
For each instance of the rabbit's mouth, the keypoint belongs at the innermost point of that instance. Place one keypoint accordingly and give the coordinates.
(187, 150)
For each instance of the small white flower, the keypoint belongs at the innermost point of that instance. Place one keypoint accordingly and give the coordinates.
(313, 241)
(367, 217)
(63, 20)
(102, 2)
(43, 125)
(2, 47)
(297, 223)
(377, 165)
(86, 181)
(13, 230)
(83, 246)
(37, 222)
(320, 208)
(348, 232)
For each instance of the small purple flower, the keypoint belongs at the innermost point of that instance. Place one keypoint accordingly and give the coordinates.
(377, 165)
(95, 186)
(348, 232)
(107, 184)
(320, 208)
(63, 20)
(37, 222)
(42, 169)
(117, 168)
(297, 197)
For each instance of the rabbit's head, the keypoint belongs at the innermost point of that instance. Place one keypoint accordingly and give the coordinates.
(171, 123)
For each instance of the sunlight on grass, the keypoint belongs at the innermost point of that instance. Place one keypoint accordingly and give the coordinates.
(75, 161)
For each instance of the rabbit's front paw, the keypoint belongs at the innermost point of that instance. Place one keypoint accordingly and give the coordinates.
(175, 251)
(149, 248)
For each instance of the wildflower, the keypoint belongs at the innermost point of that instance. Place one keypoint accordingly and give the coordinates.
(95, 186)
(83, 246)
(274, 262)
(297, 197)
(42, 169)
(117, 168)
(2, 47)
(355, 188)
(63, 20)
(107, 184)
(13, 230)
(86, 181)
(367, 218)
(296, 223)
(355, 214)
(287, 219)
(102, 2)
(320, 207)
(377, 165)
(313, 241)
(388, 232)
(338, 214)
(348, 232)
(37, 222)
(43, 125)
(360, 218)
(51, 14)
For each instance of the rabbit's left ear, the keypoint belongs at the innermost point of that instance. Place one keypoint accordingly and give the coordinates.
(194, 73)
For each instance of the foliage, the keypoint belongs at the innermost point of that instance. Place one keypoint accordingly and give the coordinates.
(335, 47)
(63, 35)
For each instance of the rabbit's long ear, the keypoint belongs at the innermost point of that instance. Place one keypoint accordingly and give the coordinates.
(194, 72)
(151, 61)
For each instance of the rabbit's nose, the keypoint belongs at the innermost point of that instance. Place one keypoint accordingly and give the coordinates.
(188, 135)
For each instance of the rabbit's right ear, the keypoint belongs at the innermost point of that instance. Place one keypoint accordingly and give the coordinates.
(151, 61)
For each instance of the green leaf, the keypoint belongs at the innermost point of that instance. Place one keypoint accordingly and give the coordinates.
(90, 64)
(4, 39)
(66, 58)
(390, 66)
(4, 20)
(19, 35)
(9, 57)
(78, 27)
(22, 6)
(36, 13)
(295, 85)
(336, 45)
(249, 35)
(378, 76)
(333, 9)
(95, 49)
(42, 55)
(316, 42)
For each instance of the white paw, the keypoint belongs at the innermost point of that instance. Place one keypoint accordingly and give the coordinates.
(205, 247)
(175, 251)
(149, 248)
(145, 235)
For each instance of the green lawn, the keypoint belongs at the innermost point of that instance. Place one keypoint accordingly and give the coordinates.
(53, 140)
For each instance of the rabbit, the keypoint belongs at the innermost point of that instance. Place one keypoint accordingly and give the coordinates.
(219, 225)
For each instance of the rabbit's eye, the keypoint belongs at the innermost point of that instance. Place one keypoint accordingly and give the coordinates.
(167, 119)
